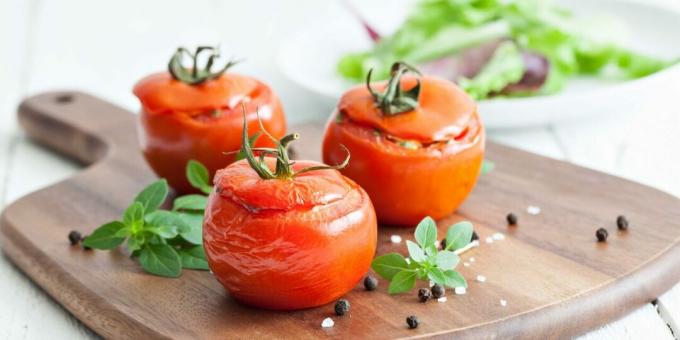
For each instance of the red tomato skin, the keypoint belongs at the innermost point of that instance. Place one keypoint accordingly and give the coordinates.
(407, 185)
(291, 258)
(169, 136)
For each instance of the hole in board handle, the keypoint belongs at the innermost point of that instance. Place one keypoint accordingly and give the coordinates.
(64, 98)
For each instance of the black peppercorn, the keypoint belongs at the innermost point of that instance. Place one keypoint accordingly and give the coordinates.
(622, 222)
(341, 307)
(424, 294)
(437, 291)
(370, 282)
(512, 219)
(475, 237)
(442, 244)
(602, 235)
(412, 322)
(74, 237)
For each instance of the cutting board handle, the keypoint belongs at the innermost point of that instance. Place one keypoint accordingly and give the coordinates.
(75, 124)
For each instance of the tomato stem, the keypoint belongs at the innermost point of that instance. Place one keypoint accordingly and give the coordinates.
(196, 74)
(284, 166)
(393, 100)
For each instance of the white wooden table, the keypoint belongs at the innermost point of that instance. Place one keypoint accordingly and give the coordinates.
(104, 47)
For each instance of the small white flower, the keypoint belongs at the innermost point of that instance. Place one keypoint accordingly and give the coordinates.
(395, 239)
(327, 323)
(467, 264)
(503, 303)
(533, 210)
(489, 240)
(498, 236)
(481, 278)
(442, 299)
(460, 290)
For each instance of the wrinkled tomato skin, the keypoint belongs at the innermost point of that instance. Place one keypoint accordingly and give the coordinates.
(171, 136)
(407, 185)
(284, 256)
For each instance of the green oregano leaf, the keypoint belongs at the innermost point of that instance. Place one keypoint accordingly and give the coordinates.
(195, 222)
(160, 259)
(459, 235)
(447, 260)
(165, 219)
(198, 176)
(190, 202)
(454, 279)
(105, 237)
(153, 196)
(415, 252)
(426, 232)
(135, 242)
(403, 281)
(194, 258)
(133, 217)
(389, 265)
(436, 275)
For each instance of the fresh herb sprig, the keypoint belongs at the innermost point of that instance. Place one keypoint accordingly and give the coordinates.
(425, 261)
(164, 241)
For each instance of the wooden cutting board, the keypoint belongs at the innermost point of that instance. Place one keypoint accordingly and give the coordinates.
(557, 280)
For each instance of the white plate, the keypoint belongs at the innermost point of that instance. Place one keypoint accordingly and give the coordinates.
(309, 58)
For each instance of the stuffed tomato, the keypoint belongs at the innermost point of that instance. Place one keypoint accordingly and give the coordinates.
(194, 113)
(299, 236)
(417, 144)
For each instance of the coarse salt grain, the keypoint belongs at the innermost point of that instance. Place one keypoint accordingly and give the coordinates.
(489, 240)
(498, 236)
(466, 264)
(459, 290)
(431, 283)
(395, 239)
(533, 210)
(327, 323)
(481, 278)
(472, 259)
(442, 299)
(503, 303)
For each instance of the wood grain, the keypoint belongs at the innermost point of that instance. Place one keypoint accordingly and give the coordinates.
(557, 280)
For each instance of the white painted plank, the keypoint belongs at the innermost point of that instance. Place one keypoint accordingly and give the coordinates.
(650, 154)
(13, 33)
(669, 309)
(643, 323)
(26, 312)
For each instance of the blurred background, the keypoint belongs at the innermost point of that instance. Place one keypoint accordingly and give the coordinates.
(104, 47)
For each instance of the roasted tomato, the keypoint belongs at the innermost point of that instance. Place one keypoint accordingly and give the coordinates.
(297, 237)
(417, 144)
(194, 113)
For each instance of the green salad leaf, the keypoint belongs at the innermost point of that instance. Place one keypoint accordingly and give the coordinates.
(505, 67)
(444, 28)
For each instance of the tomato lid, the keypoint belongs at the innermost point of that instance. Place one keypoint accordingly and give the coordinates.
(240, 183)
(160, 92)
(443, 110)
